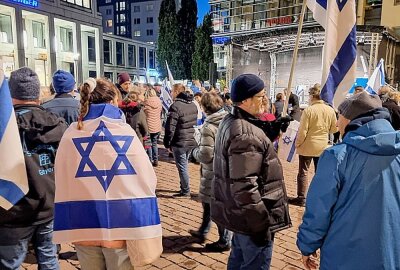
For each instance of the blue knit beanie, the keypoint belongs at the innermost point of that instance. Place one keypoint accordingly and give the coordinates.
(63, 82)
(246, 86)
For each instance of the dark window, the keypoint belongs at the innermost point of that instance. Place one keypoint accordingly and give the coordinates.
(92, 74)
(120, 54)
(107, 51)
(152, 59)
(136, 8)
(136, 21)
(108, 75)
(108, 11)
(108, 1)
(142, 57)
(91, 49)
(131, 55)
(149, 19)
(5, 29)
(149, 32)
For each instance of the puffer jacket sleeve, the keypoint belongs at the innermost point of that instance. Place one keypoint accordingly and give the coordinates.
(170, 125)
(321, 199)
(204, 153)
(245, 157)
(142, 124)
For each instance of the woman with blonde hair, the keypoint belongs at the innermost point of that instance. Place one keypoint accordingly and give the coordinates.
(135, 115)
(152, 108)
(101, 172)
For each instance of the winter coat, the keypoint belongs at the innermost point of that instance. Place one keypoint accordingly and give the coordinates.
(181, 119)
(153, 108)
(248, 188)
(352, 209)
(317, 122)
(40, 133)
(204, 153)
(136, 118)
(278, 108)
(394, 111)
(65, 106)
(294, 107)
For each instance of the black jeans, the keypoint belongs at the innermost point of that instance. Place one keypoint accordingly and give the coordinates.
(302, 176)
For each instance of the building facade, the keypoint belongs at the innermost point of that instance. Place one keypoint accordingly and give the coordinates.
(49, 35)
(135, 19)
(127, 55)
(258, 36)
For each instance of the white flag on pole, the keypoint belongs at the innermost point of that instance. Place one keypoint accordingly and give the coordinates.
(377, 79)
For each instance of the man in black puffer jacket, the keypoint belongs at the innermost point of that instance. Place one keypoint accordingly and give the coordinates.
(31, 219)
(179, 133)
(249, 196)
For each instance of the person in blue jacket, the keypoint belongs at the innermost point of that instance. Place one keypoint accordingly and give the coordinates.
(353, 205)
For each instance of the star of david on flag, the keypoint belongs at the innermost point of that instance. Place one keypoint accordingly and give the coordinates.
(105, 177)
(287, 140)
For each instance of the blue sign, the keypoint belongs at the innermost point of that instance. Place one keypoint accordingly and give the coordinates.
(220, 40)
(359, 82)
(30, 3)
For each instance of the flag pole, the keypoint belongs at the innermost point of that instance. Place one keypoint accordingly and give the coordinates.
(294, 60)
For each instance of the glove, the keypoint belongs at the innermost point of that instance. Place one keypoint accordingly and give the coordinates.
(284, 122)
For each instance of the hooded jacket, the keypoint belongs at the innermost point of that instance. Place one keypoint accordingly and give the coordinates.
(249, 195)
(181, 119)
(204, 153)
(153, 108)
(40, 133)
(136, 118)
(65, 106)
(353, 204)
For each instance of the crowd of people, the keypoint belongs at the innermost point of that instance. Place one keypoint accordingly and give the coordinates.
(351, 207)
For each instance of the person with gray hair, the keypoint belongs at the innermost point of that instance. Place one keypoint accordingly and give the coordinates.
(32, 217)
(352, 209)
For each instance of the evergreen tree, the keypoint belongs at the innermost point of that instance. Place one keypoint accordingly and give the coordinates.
(187, 19)
(203, 54)
(168, 47)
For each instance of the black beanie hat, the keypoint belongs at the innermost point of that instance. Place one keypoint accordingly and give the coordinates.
(246, 86)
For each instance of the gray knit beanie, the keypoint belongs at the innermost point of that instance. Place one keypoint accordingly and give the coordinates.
(24, 84)
(359, 104)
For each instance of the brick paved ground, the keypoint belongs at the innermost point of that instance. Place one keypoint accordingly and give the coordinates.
(178, 216)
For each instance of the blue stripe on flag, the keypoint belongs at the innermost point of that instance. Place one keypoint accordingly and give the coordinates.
(129, 213)
(322, 3)
(6, 107)
(340, 66)
(10, 191)
(292, 150)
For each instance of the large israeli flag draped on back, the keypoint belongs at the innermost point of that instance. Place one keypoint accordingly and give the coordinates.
(105, 185)
(13, 178)
(338, 17)
(377, 79)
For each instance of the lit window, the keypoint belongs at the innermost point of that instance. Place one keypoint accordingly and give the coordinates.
(136, 33)
(82, 3)
(109, 23)
(5, 29)
(121, 6)
(122, 30)
(136, 8)
(149, 19)
(150, 7)
(149, 32)
(38, 35)
(66, 39)
(122, 18)
(108, 1)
